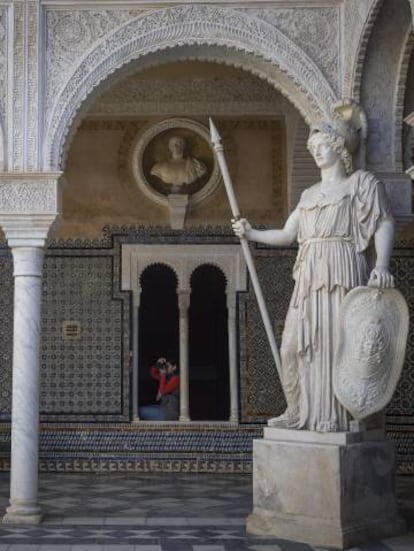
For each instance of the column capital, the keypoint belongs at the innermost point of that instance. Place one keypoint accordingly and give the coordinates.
(183, 299)
(29, 206)
(231, 300)
(136, 297)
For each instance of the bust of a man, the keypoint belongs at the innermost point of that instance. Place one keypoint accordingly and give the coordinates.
(179, 170)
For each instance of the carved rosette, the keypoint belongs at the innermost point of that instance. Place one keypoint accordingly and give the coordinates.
(371, 349)
(164, 29)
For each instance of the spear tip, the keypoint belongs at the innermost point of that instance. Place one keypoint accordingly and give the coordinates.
(214, 135)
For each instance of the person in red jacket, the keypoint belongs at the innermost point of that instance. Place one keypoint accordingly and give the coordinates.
(168, 393)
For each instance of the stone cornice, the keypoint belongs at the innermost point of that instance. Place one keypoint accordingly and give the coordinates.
(81, 4)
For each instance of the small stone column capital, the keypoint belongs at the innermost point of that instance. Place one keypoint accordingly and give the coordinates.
(27, 261)
(183, 300)
(136, 297)
(231, 303)
(29, 206)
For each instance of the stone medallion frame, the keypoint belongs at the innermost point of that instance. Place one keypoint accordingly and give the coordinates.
(144, 139)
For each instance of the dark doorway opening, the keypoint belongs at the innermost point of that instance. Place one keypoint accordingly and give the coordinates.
(209, 365)
(158, 326)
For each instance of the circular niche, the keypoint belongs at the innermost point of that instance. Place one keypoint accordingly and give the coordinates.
(174, 158)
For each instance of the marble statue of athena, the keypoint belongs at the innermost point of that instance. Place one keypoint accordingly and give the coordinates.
(333, 223)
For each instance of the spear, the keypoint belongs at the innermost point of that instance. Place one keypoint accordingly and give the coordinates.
(216, 141)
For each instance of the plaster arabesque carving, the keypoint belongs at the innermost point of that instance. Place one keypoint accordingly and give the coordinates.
(166, 28)
(28, 197)
(134, 95)
(315, 30)
(359, 19)
(70, 33)
(3, 63)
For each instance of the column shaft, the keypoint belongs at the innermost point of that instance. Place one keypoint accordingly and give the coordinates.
(24, 506)
(135, 353)
(232, 343)
(183, 305)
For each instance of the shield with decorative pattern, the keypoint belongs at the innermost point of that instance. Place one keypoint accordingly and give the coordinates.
(373, 328)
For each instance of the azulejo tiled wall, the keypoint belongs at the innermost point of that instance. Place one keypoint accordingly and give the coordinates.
(6, 330)
(81, 372)
(86, 379)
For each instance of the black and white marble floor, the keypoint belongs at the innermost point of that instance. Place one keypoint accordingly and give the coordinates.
(156, 512)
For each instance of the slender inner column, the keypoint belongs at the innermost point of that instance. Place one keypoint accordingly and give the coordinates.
(232, 340)
(24, 507)
(183, 305)
(135, 351)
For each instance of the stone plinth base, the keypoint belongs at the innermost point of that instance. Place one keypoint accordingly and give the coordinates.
(20, 514)
(335, 489)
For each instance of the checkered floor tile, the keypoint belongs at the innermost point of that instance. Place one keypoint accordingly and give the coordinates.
(156, 512)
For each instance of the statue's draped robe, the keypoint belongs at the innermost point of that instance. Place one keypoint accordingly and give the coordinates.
(333, 237)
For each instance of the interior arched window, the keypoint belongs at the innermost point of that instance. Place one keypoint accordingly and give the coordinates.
(158, 325)
(208, 349)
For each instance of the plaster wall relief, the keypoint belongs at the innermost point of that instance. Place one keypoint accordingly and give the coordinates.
(3, 85)
(358, 20)
(33, 77)
(16, 129)
(194, 25)
(315, 30)
(222, 94)
(69, 36)
(381, 97)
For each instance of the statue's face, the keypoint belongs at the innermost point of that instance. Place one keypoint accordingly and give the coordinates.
(176, 145)
(323, 152)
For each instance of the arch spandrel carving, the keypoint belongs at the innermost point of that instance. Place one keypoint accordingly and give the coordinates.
(184, 260)
(190, 25)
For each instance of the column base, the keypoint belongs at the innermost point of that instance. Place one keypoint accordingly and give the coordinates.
(22, 514)
(334, 489)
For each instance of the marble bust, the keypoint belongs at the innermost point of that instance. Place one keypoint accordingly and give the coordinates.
(179, 170)
(334, 222)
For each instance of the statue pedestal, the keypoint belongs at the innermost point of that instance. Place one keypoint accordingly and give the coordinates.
(330, 489)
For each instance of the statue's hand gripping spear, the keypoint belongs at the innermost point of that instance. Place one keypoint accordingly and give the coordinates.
(216, 141)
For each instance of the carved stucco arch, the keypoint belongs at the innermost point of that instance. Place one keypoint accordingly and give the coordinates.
(3, 152)
(183, 260)
(262, 49)
(382, 98)
(165, 263)
(211, 264)
(182, 275)
(358, 62)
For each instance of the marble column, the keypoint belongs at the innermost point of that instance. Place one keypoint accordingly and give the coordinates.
(24, 507)
(232, 344)
(135, 353)
(29, 205)
(183, 306)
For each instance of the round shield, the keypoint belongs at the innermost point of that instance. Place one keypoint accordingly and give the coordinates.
(373, 330)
